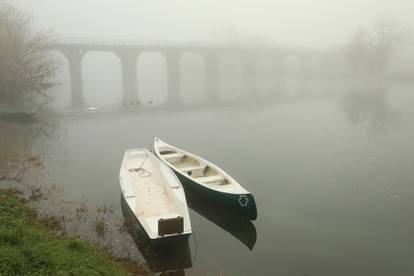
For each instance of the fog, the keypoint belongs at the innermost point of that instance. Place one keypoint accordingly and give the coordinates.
(309, 105)
(319, 23)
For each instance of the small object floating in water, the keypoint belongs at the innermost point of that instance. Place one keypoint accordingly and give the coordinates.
(203, 176)
(15, 111)
(80, 110)
(16, 115)
(155, 196)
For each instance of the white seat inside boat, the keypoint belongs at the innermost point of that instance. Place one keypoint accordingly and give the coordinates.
(208, 179)
(173, 155)
(191, 168)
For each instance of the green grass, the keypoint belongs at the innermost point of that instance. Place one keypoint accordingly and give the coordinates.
(29, 247)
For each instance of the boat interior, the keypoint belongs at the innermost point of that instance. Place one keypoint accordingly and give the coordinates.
(194, 168)
(155, 200)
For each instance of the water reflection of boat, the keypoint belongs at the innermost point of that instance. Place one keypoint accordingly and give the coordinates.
(239, 227)
(168, 258)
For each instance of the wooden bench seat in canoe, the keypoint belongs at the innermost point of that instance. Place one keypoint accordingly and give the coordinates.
(191, 168)
(173, 157)
(209, 179)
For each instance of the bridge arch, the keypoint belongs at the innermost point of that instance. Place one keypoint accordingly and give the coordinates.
(230, 77)
(102, 87)
(152, 78)
(265, 75)
(193, 78)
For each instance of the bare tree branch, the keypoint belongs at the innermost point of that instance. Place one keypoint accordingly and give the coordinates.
(26, 69)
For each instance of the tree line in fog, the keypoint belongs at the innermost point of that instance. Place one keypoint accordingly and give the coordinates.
(370, 50)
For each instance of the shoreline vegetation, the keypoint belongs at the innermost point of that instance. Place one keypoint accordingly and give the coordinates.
(38, 242)
(30, 245)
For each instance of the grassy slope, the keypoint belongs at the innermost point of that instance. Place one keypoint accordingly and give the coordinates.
(28, 248)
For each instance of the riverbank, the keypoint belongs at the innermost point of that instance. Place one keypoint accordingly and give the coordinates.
(30, 245)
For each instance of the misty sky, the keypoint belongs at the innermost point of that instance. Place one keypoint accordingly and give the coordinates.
(291, 22)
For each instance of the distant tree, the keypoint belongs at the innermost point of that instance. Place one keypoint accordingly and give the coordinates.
(358, 51)
(26, 68)
(370, 50)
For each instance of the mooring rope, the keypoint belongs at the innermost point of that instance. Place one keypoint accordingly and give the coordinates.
(140, 170)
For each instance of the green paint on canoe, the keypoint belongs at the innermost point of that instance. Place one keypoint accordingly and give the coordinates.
(244, 204)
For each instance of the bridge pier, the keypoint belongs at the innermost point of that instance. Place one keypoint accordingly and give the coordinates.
(74, 57)
(280, 65)
(212, 77)
(128, 60)
(173, 75)
(305, 65)
(249, 76)
(280, 71)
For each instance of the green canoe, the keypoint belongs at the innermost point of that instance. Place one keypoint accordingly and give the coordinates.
(203, 176)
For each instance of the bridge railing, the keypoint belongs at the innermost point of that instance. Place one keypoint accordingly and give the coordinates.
(141, 42)
(110, 42)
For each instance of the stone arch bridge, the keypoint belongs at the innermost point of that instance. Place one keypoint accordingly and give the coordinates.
(128, 52)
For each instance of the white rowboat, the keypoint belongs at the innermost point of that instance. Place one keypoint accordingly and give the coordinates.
(154, 195)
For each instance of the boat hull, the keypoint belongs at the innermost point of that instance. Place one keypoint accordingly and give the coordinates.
(170, 240)
(243, 204)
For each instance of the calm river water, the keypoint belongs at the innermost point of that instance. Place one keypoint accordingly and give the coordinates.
(332, 175)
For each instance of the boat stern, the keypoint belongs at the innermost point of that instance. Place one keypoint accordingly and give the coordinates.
(252, 209)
